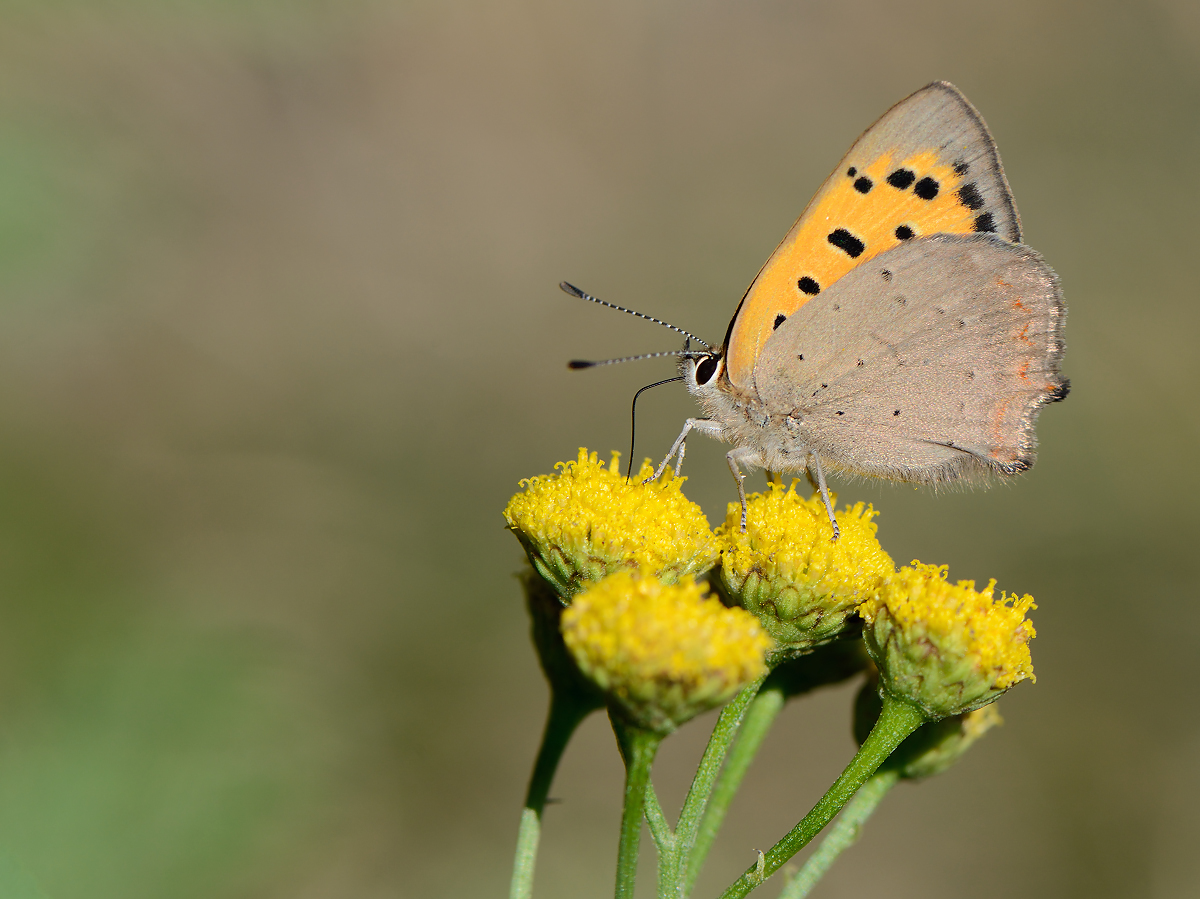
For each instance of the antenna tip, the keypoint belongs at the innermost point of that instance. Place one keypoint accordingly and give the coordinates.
(568, 287)
(576, 364)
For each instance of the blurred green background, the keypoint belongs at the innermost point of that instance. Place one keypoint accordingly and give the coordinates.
(279, 334)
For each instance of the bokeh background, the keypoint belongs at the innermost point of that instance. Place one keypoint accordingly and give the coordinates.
(279, 334)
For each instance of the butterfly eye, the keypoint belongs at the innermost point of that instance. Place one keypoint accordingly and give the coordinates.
(705, 370)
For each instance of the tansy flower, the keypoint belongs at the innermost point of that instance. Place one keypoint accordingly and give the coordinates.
(946, 648)
(787, 570)
(662, 653)
(587, 520)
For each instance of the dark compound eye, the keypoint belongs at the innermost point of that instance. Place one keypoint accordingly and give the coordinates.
(705, 370)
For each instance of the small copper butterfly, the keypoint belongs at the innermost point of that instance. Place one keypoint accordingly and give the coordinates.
(901, 329)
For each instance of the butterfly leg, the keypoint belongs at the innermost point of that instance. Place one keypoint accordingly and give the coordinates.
(703, 425)
(815, 462)
(740, 454)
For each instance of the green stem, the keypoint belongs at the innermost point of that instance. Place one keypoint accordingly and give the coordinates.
(675, 863)
(656, 820)
(566, 713)
(897, 720)
(755, 726)
(664, 837)
(638, 747)
(843, 834)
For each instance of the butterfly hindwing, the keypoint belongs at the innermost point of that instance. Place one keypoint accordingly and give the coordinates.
(928, 166)
(927, 363)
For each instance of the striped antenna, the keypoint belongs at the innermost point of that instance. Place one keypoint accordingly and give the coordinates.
(577, 364)
(576, 292)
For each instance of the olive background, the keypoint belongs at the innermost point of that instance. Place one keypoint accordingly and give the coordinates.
(280, 334)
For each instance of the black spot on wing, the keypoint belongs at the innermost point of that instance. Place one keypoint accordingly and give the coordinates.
(926, 188)
(961, 168)
(851, 172)
(897, 412)
(969, 196)
(863, 185)
(901, 179)
(846, 242)
(886, 275)
(809, 286)
(985, 222)
(904, 232)
(779, 320)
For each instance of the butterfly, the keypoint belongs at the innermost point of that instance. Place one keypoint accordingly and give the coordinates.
(901, 329)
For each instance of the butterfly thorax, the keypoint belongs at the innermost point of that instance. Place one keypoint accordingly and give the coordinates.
(742, 418)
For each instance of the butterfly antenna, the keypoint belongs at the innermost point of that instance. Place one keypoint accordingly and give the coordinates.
(633, 422)
(585, 363)
(576, 292)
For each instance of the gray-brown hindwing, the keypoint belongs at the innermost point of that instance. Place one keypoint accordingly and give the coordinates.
(927, 363)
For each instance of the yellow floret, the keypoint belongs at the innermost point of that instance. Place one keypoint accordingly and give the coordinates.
(586, 521)
(663, 652)
(787, 569)
(993, 632)
(947, 647)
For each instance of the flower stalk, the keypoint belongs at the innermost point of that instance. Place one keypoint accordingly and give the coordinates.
(567, 711)
(844, 832)
(638, 747)
(897, 720)
(677, 860)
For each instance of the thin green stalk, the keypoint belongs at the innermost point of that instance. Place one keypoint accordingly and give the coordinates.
(755, 726)
(566, 713)
(843, 834)
(638, 748)
(656, 820)
(675, 863)
(897, 720)
(664, 837)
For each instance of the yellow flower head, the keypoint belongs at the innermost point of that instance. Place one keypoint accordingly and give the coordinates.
(787, 570)
(663, 653)
(586, 520)
(947, 648)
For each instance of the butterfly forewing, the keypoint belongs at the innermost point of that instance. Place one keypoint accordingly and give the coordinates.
(926, 363)
(927, 166)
